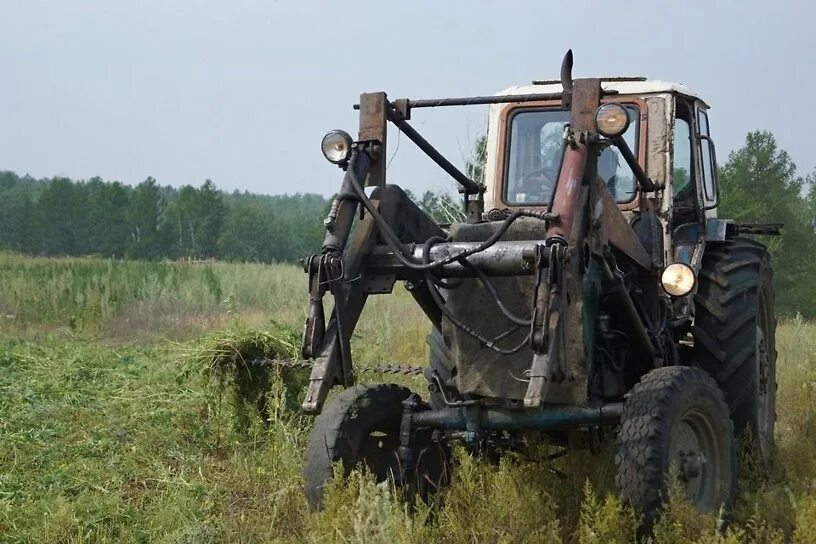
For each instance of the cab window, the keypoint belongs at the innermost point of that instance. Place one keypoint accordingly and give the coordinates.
(535, 148)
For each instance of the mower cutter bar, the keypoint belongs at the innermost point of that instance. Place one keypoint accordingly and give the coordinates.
(383, 368)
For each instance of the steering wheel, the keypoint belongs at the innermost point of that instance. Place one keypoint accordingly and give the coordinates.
(546, 185)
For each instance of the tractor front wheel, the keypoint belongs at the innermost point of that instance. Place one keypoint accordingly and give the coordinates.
(675, 422)
(360, 429)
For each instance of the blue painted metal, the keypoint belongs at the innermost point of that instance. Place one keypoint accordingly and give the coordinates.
(551, 417)
(717, 230)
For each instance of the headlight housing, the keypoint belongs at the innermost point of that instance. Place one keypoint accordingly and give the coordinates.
(612, 120)
(678, 279)
(336, 146)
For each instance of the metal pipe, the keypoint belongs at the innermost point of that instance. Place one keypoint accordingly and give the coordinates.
(500, 259)
(469, 185)
(481, 100)
(645, 183)
(566, 79)
(632, 321)
(342, 217)
(567, 193)
(475, 100)
(497, 419)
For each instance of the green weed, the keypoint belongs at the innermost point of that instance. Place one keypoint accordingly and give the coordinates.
(148, 441)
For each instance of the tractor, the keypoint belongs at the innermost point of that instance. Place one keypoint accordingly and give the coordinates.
(590, 292)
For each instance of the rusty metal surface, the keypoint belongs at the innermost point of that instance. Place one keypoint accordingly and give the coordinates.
(612, 227)
(567, 190)
(374, 128)
(586, 97)
(577, 167)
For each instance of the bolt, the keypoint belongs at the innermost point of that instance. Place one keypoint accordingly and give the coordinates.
(690, 466)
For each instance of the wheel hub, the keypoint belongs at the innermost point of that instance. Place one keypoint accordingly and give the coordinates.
(692, 445)
(690, 465)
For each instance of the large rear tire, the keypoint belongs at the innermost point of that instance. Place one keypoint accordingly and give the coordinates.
(361, 429)
(675, 418)
(734, 336)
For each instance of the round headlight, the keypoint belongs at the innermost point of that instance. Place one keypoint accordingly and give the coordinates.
(678, 279)
(336, 146)
(612, 120)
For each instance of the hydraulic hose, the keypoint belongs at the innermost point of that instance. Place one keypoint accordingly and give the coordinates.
(402, 253)
(437, 298)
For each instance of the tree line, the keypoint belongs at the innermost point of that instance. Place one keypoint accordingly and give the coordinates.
(59, 216)
(63, 217)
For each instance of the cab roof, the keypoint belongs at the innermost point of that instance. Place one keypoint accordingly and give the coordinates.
(625, 86)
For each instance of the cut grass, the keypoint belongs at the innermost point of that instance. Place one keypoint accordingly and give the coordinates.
(126, 444)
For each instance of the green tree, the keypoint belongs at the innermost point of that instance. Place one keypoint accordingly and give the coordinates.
(102, 218)
(474, 167)
(209, 212)
(759, 184)
(55, 219)
(144, 210)
(194, 221)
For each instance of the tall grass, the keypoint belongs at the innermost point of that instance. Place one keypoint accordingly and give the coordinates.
(104, 442)
(148, 301)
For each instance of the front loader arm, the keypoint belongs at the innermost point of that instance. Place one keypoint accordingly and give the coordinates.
(351, 284)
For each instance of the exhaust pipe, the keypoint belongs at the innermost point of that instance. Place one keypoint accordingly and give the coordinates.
(566, 80)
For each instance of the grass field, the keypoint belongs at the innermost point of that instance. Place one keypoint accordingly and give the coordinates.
(113, 429)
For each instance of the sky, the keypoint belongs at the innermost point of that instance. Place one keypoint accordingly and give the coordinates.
(242, 91)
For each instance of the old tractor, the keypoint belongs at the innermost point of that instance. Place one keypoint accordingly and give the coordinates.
(591, 291)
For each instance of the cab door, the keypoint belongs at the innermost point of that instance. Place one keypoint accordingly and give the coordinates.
(708, 187)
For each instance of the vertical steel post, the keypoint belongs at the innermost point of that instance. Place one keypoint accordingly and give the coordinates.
(374, 132)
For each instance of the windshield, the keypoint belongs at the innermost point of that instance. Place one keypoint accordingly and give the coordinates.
(535, 149)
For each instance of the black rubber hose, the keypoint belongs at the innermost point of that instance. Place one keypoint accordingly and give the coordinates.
(402, 253)
(491, 289)
(437, 298)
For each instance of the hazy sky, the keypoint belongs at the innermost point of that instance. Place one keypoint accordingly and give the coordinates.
(241, 91)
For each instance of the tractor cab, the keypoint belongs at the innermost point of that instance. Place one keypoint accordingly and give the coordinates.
(667, 132)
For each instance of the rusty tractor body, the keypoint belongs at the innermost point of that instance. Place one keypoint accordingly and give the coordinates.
(591, 287)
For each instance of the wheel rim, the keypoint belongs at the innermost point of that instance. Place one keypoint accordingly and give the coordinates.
(695, 453)
(764, 381)
(378, 453)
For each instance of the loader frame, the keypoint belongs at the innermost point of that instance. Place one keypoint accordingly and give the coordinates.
(586, 236)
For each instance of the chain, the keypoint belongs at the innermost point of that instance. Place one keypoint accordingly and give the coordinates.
(388, 368)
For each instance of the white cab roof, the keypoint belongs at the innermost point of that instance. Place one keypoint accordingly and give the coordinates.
(649, 86)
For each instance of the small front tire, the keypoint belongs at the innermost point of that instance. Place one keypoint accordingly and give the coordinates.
(360, 429)
(675, 421)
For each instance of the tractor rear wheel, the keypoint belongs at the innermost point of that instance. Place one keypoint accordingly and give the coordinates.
(675, 421)
(360, 429)
(734, 336)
